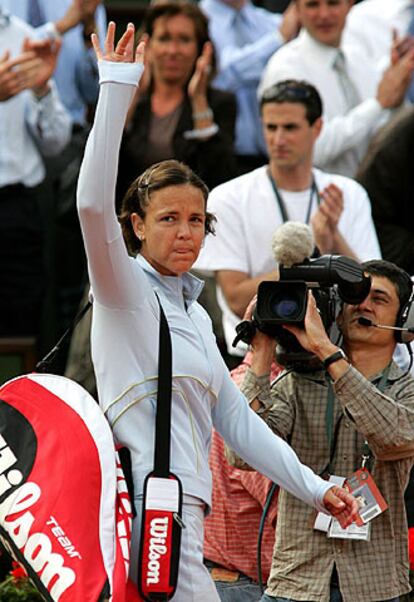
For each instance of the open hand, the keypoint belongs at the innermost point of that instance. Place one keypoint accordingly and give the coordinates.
(325, 220)
(396, 79)
(79, 11)
(341, 505)
(400, 46)
(290, 26)
(124, 50)
(197, 86)
(17, 74)
(46, 51)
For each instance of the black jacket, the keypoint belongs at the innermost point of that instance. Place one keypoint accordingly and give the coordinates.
(212, 159)
(388, 176)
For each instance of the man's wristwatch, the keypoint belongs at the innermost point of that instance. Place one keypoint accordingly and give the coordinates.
(334, 357)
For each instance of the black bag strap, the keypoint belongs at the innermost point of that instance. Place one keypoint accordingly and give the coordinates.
(163, 412)
(44, 365)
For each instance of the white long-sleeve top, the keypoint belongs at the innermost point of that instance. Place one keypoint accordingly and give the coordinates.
(125, 334)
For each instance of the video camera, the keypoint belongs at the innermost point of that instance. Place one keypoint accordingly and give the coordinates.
(332, 278)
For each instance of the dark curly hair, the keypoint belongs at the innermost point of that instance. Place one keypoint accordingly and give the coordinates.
(138, 196)
(399, 277)
(295, 91)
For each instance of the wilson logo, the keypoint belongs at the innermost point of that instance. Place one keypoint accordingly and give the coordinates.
(9, 477)
(36, 547)
(157, 548)
(62, 538)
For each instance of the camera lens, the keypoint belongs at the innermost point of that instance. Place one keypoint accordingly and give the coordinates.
(286, 305)
(286, 308)
(280, 303)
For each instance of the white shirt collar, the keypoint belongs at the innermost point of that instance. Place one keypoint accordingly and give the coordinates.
(226, 13)
(321, 53)
(4, 18)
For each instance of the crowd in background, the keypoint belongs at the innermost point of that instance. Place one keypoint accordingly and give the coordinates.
(245, 49)
(217, 73)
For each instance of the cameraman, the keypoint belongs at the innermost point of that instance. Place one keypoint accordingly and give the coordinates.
(330, 433)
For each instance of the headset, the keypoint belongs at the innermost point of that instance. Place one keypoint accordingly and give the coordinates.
(405, 318)
(404, 324)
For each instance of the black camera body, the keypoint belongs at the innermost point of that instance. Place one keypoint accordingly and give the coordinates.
(333, 279)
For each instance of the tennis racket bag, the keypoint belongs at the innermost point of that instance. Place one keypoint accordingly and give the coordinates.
(65, 514)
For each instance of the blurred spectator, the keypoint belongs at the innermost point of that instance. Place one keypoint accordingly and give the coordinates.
(176, 114)
(245, 37)
(388, 176)
(231, 530)
(33, 124)
(76, 78)
(375, 25)
(76, 74)
(250, 208)
(357, 98)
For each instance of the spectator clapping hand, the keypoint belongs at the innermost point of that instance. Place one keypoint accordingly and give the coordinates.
(396, 78)
(197, 87)
(325, 220)
(290, 25)
(79, 11)
(400, 46)
(31, 69)
(199, 81)
(16, 73)
(46, 53)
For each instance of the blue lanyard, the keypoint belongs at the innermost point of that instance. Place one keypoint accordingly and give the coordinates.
(281, 202)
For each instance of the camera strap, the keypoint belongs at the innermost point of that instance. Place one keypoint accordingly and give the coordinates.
(282, 204)
(332, 428)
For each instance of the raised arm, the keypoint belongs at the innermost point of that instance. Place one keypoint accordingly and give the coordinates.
(110, 268)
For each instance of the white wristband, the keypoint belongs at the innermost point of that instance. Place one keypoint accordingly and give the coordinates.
(202, 133)
(120, 73)
(207, 114)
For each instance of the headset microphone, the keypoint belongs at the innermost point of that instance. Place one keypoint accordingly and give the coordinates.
(367, 322)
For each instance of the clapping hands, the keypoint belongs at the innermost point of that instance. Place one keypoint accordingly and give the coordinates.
(31, 69)
(325, 220)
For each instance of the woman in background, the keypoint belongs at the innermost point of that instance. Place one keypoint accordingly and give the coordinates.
(175, 113)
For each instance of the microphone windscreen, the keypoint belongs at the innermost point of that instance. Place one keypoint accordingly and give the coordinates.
(292, 243)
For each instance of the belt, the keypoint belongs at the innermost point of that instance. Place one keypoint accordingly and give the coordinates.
(220, 573)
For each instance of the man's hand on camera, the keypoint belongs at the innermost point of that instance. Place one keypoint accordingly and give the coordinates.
(313, 336)
(262, 346)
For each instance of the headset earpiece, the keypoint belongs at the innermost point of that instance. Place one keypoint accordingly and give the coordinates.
(405, 318)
